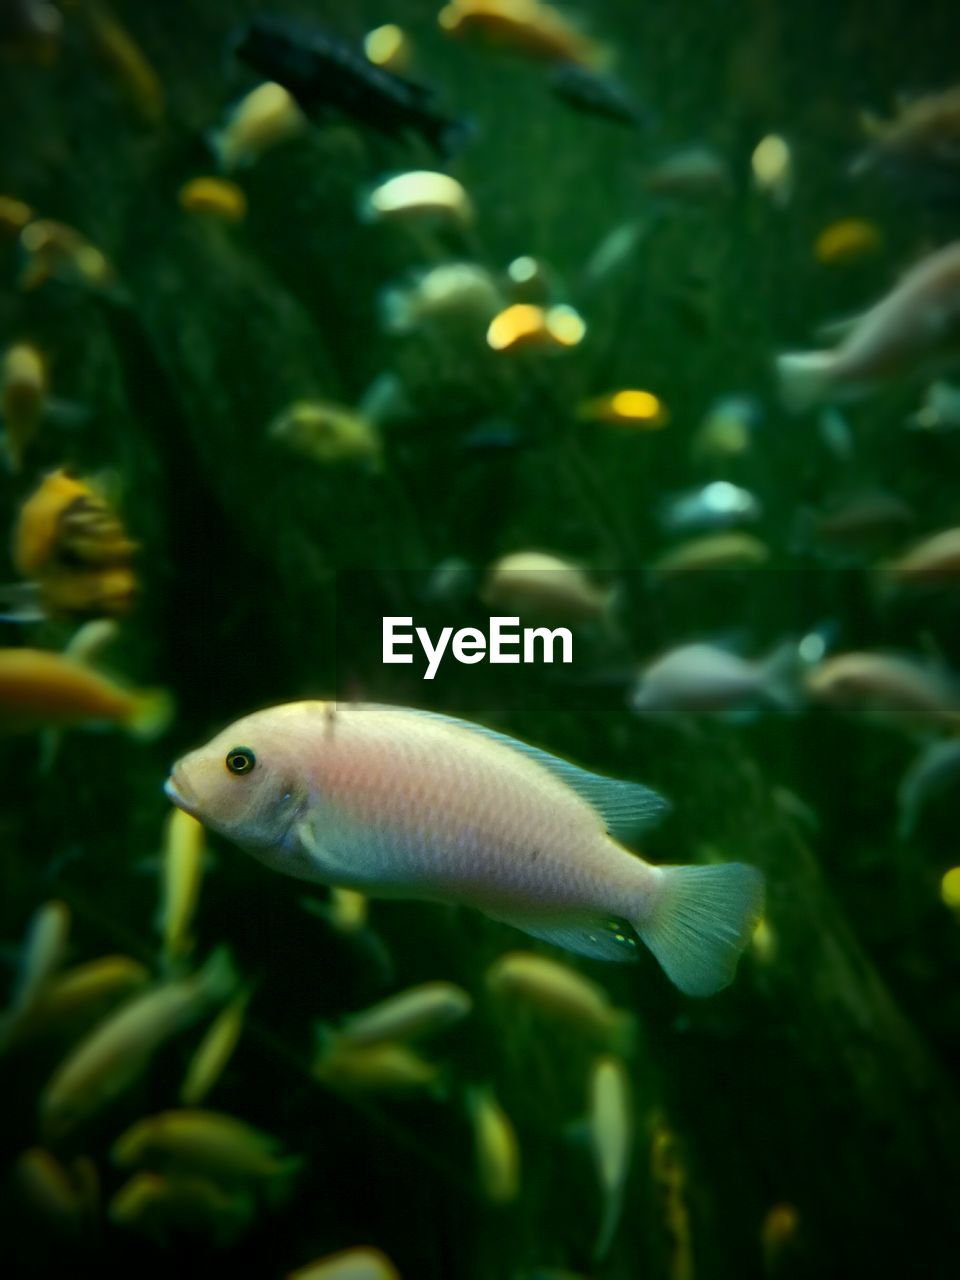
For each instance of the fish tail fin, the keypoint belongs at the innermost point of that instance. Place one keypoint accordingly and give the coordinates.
(152, 714)
(805, 378)
(702, 918)
(781, 670)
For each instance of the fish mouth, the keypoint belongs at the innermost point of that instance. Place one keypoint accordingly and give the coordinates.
(177, 790)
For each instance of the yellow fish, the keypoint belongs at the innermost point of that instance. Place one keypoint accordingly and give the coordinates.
(525, 26)
(408, 804)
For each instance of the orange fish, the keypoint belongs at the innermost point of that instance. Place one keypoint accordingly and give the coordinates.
(526, 26)
(40, 689)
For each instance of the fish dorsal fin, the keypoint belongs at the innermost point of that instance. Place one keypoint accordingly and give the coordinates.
(627, 808)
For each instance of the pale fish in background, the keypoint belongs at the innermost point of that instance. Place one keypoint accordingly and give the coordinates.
(610, 1120)
(718, 505)
(111, 1056)
(401, 803)
(703, 679)
(859, 519)
(327, 433)
(496, 1149)
(42, 953)
(614, 252)
(458, 292)
(420, 193)
(525, 980)
(538, 583)
(362, 1263)
(935, 770)
(416, 1014)
(916, 324)
(54, 251)
(181, 877)
(727, 430)
(694, 173)
(778, 1231)
(124, 60)
(390, 47)
(935, 559)
(886, 686)
(386, 1067)
(940, 410)
(213, 1053)
(265, 118)
(772, 168)
(75, 997)
(921, 136)
(525, 327)
(733, 550)
(630, 407)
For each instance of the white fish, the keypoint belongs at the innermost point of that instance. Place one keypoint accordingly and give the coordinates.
(916, 323)
(408, 804)
(699, 679)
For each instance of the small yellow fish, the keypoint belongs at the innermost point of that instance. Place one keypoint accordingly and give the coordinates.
(453, 292)
(82, 993)
(415, 1014)
(113, 1054)
(611, 1139)
(41, 955)
(763, 944)
(214, 196)
(201, 1142)
(403, 803)
(627, 408)
(950, 890)
(23, 378)
(39, 689)
(846, 241)
(777, 1233)
(351, 1264)
(54, 251)
(327, 433)
(529, 980)
(214, 1052)
(14, 215)
(714, 551)
(389, 47)
(126, 61)
(265, 118)
(529, 27)
(772, 165)
(419, 193)
(385, 1067)
(523, 327)
(538, 583)
(182, 874)
(923, 134)
(497, 1151)
(347, 910)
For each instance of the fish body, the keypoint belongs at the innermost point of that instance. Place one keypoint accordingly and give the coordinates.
(594, 95)
(538, 583)
(630, 407)
(406, 804)
(528, 27)
(327, 433)
(497, 1150)
(454, 292)
(41, 955)
(923, 135)
(733, 550)
(43, 689)
(415, 1014)
(161, 1207)
(23, 379)
(935, 559)
(718, 505)
(916, 324)
(390, 47)
(847, 240)
(266, 117)
(214, 1051)
(524, 326)
(78, 995)
(862, 518)
(772, 166)
(561, 994)
(210, 1143)
(699, 679)
(936, 769)
(182, 875)
(350, 1264)
(611, 1140)
(695, 173)
(54, 251)
(323, 72)
(214, 197)
(386, 1067)
(416, 194)
(886, 685)
(113, 1054)
(727, 430)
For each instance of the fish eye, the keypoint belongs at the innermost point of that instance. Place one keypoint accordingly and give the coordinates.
(240, 760)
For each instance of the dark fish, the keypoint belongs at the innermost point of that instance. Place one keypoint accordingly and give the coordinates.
(323, 71)
(595, 95)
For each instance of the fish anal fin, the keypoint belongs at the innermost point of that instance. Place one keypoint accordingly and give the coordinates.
(600, 937)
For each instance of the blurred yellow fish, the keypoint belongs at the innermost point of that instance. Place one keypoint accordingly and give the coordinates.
(935, 559)
(327, 433)
(525, 979)
(611, 1139)
(848, 240)
(408, 804)
(419, 193)
(214, 196)
(23, 376)
(496, 1148)
(266, 117)
(526, 26)
(522, 327)
(54, 251)
(126, 61)
(627, 408)
(214, 1052)
(714, 551)
(182, 874)
(204, 1142)
(389, 47)
(415, 1014)
(351, 1264)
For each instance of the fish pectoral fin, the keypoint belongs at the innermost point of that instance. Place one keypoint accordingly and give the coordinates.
(330, 868)
(602, 937)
